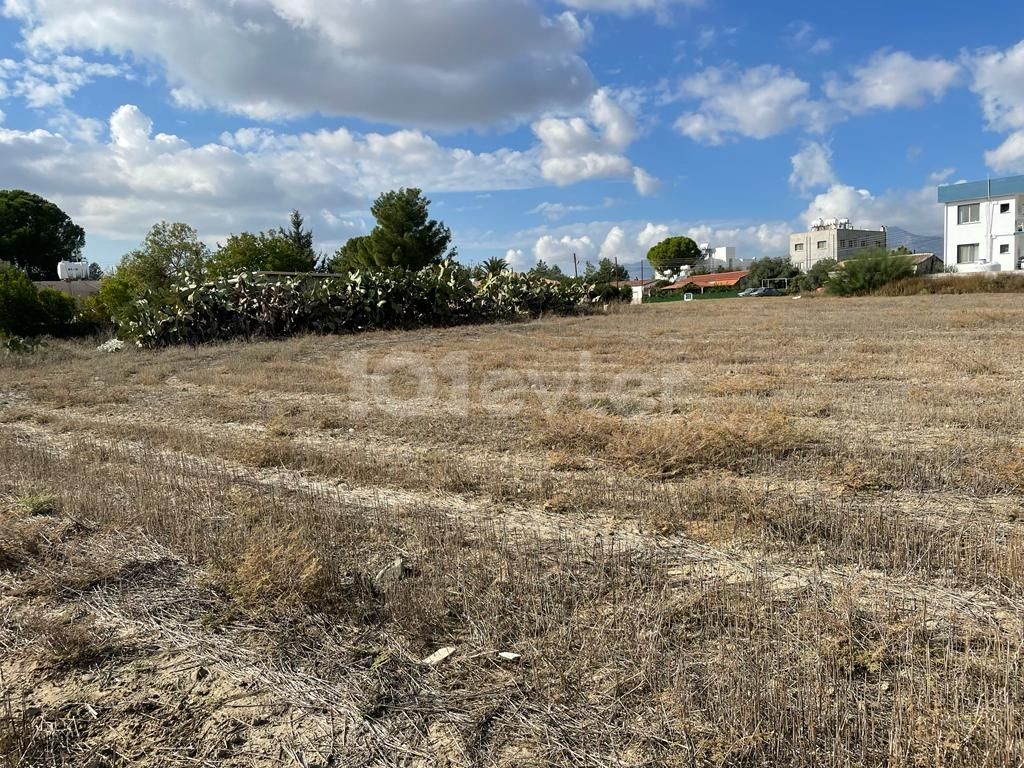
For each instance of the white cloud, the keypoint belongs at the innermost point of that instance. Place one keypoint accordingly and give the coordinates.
(518, 260)
(616, 246)
(765, 101)
(645, 184)
(651, 235)
(49, 82)
(754, 103)
(629, 241)
(913, 210)
(1008, 157)
(448, 63)
(575, 149)
(119, 178)
(999, 82)
(556, 211)
(249, 179)
(803, 37)
(812, 167)
(560, 251)
(892, 79)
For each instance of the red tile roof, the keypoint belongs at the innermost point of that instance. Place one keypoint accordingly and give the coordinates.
(716, 280)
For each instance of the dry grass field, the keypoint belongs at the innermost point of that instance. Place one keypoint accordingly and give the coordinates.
(727, 533)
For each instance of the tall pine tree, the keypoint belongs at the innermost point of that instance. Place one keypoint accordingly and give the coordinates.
(301, 240)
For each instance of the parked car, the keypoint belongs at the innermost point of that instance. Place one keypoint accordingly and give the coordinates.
(763, 292)
(747, 292)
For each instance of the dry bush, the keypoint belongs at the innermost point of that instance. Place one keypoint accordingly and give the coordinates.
(709, 506)
(735, 441)
(278, 573)
(954, 284)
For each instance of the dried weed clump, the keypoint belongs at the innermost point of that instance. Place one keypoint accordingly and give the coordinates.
(279, 572)
(736, 441)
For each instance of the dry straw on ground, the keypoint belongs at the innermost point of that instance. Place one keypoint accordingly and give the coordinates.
(764, 533)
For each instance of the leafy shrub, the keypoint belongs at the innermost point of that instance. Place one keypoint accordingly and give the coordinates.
(438, 295)
(21, 312)
(869, 272)
(59, 310)
(609, 293)
(21, 345)
(817, 276)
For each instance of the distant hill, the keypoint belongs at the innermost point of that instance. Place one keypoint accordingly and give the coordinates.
(895, 237)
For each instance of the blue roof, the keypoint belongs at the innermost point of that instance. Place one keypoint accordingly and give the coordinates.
(981, 190)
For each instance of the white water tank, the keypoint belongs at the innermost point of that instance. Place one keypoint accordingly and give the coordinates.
(73, 270)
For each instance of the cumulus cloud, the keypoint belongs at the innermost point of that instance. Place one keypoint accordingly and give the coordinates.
(629, 241)
(812, 167)
(575, 149)
(616, 246)
(754, 103)
(449, 63)
(1008, 157)
(560, 251)
(518, 260)
(248, 179)
(765, 101)
(48, 83)
(998, 80)
(914, 210)
(651, 235)
(892, 79)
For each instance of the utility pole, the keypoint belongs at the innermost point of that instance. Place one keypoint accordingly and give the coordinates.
(575, 266)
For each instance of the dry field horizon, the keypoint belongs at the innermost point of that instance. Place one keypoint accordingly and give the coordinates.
(721, 533)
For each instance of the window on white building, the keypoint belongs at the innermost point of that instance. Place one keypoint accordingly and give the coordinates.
(1004, 248)
(798, 247)
(1004, 207)
(968, 214)
(967, 254)
(822, 244)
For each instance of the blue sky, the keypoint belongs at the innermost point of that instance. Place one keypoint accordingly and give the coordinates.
(538, 128)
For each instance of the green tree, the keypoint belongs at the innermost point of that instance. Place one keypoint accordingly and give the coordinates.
(405, 235)
(354, 254)
(263, 252)
(869, 271)
(544, 270)
(671, 255)
(301, 240)
(606, 271)
(35, 234)
(21, 313)
(169, 253)
(95, 271)
(817, 276)
(770, 268)
(493, 266)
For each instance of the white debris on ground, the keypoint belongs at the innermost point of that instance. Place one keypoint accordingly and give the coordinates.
(114, 345)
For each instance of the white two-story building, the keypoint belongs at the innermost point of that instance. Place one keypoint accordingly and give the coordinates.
(984, 224)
